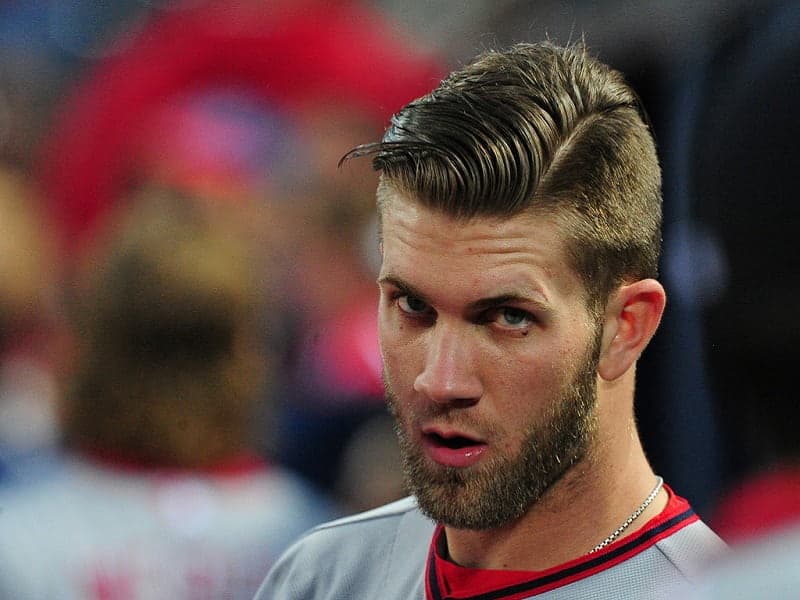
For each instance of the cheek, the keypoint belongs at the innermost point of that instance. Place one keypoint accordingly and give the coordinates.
(526, 386)
(395, 351)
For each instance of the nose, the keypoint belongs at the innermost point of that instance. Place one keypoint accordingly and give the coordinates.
(448, 375)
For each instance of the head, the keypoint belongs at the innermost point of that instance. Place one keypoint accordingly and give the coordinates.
(520, 212)
(170, 362)
(541, 129)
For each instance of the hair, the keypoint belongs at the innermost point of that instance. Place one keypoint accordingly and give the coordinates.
(26, 256)
(536, 127)
(171, 360)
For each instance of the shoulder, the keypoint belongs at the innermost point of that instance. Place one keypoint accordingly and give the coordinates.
(692, 549)
(683, 545)
(684, 549)
(684, 541)
(350, 557)
(668, 554)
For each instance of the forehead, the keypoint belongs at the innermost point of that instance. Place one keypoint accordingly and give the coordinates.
(486, 253)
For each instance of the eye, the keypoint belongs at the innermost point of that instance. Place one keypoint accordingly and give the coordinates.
(412, 305)
(508, 317)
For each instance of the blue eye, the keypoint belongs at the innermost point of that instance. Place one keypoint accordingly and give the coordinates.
(411, 305)
(513, 318)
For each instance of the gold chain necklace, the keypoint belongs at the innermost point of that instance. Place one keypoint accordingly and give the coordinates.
(635, 515)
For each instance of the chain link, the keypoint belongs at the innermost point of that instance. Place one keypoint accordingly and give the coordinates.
(642, 507)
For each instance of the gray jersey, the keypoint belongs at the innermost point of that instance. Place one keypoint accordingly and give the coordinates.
(98, 532)
(388, 553)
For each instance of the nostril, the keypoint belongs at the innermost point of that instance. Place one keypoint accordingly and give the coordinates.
(461, 394)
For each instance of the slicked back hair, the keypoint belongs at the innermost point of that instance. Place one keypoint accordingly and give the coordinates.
(536, 127)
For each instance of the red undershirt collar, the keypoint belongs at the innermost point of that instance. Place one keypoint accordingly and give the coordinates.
(244, 463)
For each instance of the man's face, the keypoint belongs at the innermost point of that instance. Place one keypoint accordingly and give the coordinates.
(490, 360)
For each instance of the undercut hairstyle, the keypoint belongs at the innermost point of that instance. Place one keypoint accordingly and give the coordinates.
(536, 128)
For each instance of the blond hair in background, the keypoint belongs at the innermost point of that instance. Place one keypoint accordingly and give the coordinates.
(171, 360)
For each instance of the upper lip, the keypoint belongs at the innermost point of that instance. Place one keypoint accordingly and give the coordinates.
(447, 433)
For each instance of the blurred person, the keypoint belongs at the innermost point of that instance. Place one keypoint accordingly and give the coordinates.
(520, 211)
(31, 344)
(162, 494)
(370, 468)
(250, 103)
(764, 568)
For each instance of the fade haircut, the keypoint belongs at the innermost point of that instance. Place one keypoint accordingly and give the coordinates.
(536, 128)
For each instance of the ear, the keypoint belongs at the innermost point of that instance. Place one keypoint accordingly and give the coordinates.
(631, 318)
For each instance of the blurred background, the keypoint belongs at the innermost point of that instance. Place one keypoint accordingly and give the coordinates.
(170, 205)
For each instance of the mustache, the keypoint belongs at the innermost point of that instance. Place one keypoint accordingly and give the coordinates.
(446, 414)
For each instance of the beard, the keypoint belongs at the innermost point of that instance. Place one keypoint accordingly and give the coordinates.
(504, 488)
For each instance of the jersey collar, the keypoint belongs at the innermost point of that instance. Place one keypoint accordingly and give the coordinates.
(445, 580)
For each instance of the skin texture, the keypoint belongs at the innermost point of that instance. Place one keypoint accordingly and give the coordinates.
(486, 335)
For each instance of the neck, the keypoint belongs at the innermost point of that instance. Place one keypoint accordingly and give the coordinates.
(578, 512)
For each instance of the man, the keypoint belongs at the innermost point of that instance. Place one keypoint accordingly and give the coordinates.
(160, 494)
(520, 231)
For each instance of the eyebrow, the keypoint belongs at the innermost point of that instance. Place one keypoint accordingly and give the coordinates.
(495, 301)
(477, 306)
(403, 286)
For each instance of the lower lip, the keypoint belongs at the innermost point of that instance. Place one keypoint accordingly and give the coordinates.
(450, 457)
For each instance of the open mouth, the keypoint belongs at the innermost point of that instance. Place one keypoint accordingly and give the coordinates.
(453, 449)
(454, 442)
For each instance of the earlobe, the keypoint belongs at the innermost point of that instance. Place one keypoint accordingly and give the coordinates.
(632, 316)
